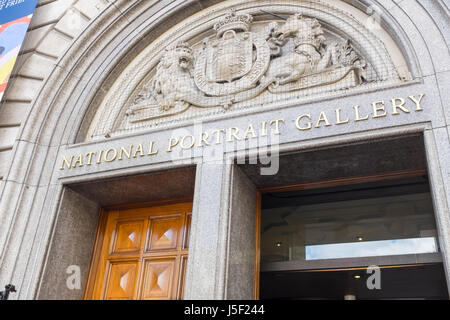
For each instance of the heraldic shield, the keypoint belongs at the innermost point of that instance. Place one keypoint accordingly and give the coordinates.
(230, 58)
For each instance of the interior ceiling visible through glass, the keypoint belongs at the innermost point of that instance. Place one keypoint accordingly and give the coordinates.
(373, 219)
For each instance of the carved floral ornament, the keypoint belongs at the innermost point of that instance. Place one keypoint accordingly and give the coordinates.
(240, 66)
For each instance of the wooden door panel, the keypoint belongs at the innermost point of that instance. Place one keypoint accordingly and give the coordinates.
(187, 231)
(121, 280)
(140, 254)
(159, 277)
(164, 233)
(128, 236)
(182, 277)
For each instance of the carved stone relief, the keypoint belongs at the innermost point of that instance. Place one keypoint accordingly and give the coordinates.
(241, 57)
(238, 65)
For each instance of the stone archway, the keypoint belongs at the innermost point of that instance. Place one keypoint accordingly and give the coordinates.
(30, 191)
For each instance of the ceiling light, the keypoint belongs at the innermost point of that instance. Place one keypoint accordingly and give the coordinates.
(359, 238)
(279, 244)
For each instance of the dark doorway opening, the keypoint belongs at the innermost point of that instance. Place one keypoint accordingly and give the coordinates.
(329, 214)
(401, 282)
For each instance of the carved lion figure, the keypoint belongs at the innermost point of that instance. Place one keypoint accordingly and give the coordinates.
(309, 54)
(173, 78)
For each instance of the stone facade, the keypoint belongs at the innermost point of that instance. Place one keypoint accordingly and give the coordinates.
(85, 67)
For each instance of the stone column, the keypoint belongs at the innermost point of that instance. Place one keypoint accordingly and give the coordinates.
(222, 244)
(205, 270)
(241, 256)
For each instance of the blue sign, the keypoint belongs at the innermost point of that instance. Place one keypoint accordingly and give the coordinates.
(11, 10)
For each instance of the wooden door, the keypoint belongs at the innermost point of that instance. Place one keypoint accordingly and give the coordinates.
(141, 254)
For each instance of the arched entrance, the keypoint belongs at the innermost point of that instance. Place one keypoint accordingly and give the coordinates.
(69, 119)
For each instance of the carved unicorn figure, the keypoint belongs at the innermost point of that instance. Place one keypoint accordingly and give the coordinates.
(310, 53)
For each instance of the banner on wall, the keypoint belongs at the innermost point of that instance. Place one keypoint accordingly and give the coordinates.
(15, 17)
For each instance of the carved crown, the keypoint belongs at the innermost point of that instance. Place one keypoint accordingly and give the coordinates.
(180, 49)
(184, 47)
(233, 21)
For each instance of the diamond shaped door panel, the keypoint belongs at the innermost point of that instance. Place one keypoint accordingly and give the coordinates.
(158, 279)
(164, 233)
(121, 280)
(128, 236)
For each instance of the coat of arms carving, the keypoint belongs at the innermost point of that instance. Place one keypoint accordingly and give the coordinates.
(239, 64)
(233, 62)
(231, 57)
